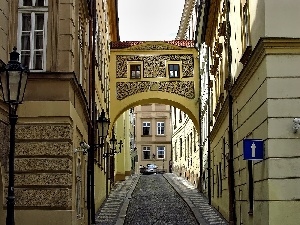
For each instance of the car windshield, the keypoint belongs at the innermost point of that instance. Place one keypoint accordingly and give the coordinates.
(151, 166)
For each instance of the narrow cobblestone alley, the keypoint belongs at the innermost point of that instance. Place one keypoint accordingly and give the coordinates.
(154, 201)
(157, 199)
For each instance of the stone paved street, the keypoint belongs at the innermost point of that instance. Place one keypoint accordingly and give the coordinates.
(127, 202)
(205, 214)
(154, 201)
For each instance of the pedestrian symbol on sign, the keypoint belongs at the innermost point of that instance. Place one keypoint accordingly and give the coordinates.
(253, 149)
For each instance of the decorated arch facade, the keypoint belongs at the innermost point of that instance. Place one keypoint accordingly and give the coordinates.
(154, 72)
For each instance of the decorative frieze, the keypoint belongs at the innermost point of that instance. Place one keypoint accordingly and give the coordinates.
(43, 149)
(155, 65)
(42, 179)
(53, 197)
(4, 144)
(182, 88)
(45, 164)
(44, 132)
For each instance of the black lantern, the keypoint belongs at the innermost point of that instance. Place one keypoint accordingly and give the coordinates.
(103, 125)
(113, 142)
(120, 143)
(13, 79)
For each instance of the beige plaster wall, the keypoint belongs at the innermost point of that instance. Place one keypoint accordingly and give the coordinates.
(4, 24)
(153, 113)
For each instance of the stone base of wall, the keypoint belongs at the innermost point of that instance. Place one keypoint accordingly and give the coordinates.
(119, 177)
(128, 173)
(45, 217)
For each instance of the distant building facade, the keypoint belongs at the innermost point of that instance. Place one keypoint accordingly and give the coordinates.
(153, 135)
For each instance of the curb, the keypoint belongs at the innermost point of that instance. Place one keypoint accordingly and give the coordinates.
(124, 207)
(193, 208)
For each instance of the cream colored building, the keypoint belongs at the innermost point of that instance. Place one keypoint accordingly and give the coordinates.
(185, 136)
(251, 64)
(66, 90)
(153, 135)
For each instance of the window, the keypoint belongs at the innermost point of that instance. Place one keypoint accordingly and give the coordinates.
(173, 70)
(160, 128)
(146, 128)
(135, 71)
(246, 26)
(146, 152)
(160, 152)
(180, 147)
(32, 33)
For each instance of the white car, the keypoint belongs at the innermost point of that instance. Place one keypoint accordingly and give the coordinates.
(150, 169)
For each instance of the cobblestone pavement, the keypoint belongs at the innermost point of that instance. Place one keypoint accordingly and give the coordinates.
(115, 210)
(112, 207)
(205, 214)
(154, 201)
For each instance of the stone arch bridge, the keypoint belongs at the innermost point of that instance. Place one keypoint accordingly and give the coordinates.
(164, 72)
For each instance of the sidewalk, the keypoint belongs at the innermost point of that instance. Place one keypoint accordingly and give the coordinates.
(204, 213)
(115, 206)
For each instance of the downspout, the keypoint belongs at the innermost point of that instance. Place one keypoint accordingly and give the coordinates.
(208, 129)
(89, 169)
(91, 124)
(93, 113)
(200, 102)
(200, 133)
(231, 182)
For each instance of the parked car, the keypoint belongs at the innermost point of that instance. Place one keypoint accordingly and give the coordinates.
(150, 169)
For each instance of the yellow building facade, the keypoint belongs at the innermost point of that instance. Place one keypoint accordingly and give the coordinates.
(250, 58)
(67, 50)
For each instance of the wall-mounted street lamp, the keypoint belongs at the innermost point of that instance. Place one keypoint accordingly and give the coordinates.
(120, 143)
(103, 125)
(153, 156)
(13, 80)
(113, 143)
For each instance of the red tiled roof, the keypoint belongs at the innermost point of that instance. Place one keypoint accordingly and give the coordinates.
(127, 44)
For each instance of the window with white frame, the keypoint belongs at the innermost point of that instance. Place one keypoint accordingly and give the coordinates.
(32, 27)
(160, 152)
(146, 152)
(135, 71)
(174, 70)
(146, 128)
(160, 128)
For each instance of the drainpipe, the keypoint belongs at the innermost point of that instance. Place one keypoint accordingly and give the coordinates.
(92, 112)
(208, 129)
(231, 182)
(93, 134)
(200, 136)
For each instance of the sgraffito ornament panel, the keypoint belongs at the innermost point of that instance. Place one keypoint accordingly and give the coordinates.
(182, 88)
(43, 166)
(155, 65)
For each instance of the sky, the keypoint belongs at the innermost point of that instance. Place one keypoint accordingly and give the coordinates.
(149, 20)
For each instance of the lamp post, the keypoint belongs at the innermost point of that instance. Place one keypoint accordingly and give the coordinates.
(113, 143)
(13, 80)
(103, 124)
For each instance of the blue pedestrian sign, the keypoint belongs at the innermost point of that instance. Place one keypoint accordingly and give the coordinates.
(253, 149)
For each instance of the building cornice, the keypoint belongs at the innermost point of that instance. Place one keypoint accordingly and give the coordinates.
(113, 20)
(185, 19)
(212, 21)
(265, 46)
